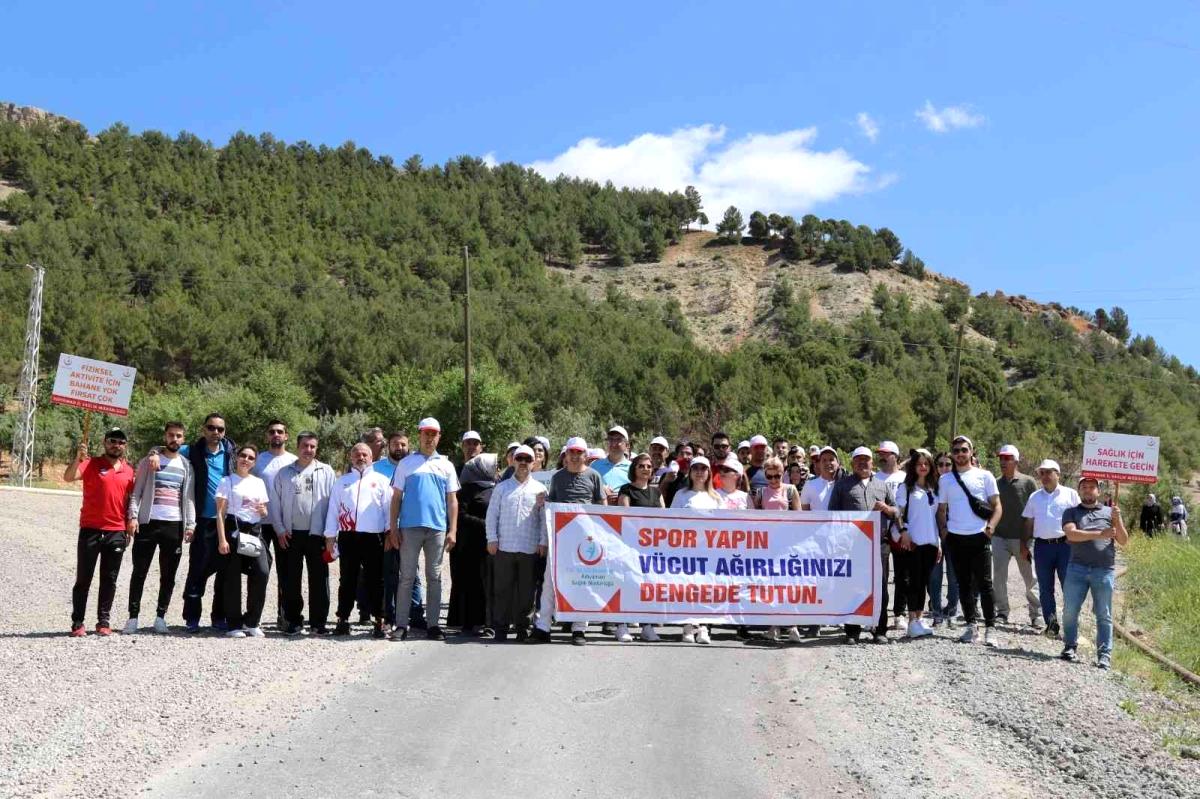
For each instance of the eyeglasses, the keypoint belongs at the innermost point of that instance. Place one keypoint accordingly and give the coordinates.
(723, 445)
(212, 428)
(957, 450)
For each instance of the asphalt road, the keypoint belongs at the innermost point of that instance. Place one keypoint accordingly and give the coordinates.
(473, 719)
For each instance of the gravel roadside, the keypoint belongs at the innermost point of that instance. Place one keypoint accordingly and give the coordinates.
(102, 717)
(96, 716)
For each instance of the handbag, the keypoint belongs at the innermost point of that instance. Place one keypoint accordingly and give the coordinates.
(980, 508)
(248, 543)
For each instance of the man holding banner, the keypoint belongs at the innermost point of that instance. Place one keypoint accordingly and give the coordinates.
(1094, 530)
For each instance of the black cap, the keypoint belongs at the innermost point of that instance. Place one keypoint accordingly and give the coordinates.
(117, 434)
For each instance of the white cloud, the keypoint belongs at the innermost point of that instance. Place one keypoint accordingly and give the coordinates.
(949, 118)
(489, 160)
(776, 172)
(868, 126)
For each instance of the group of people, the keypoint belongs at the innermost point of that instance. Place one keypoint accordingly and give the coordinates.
(239, 509)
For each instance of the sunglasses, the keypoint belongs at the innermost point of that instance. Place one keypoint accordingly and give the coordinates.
(944, 464)
(774, 476)
(523, 459)
(246, 457)
(212, 428)
(957, 450)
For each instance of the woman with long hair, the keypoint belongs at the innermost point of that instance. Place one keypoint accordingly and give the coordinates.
(697, 493)
(241, 501)
(919, 548)
(943, 611)
(730, 484)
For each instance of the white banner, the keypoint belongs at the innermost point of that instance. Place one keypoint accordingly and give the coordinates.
(1120, 457)
(93, 385)
(714, 567)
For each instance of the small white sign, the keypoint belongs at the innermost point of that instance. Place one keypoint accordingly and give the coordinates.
(93, 385)
(1120, 457)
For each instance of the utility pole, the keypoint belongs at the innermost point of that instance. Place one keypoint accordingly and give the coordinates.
(467, 329)
(957, 370)
(22, 467)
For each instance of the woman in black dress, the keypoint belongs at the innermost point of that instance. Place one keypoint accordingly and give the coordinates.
(638, 493)
(469, 570)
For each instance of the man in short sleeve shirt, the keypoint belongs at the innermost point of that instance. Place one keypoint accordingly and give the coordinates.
(1094, 531)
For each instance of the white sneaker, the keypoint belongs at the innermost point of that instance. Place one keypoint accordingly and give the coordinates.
(649, 633)
(131, 627)
(160, 625)
(239, 633)
(968, 636)
(794, 635)
(702, 635)
(689, 634)
(622, 633)
(989, 638)
(923, 629)
(255, 632)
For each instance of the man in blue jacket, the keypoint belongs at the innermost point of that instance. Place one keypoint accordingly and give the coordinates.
(211, 458)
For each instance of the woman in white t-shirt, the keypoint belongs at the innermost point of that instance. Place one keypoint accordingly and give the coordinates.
(698, 493)
(241, 508)
(918, 548)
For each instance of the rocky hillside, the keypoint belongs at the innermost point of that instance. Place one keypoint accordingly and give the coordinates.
(727, 292)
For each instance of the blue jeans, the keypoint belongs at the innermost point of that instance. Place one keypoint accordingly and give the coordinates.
(1100, 580)
(202, 564)
(948, 609)
(1050, 558)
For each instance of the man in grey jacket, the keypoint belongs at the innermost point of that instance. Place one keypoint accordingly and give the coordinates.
(162, 514)
(299, 501)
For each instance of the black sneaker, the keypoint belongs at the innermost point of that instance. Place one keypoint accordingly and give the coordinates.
(487, 634)
(321, 630)
(851, 639)
(418, 622)
(293, 629)
(342, 628)
(435, 634)
(522, 635)
(398, 634)
(501, 635)
(1002, 618)
(880, 638)
(1052, 629)
(377, 631)
(812, 631)
(743, 632)
(1068, 654)
(578, 638)
(539, 637)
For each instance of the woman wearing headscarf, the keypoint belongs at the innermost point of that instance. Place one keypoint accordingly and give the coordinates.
(1151, 519)
(469, 570)
(1179, 517)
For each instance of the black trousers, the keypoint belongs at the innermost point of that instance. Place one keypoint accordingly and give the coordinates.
(305, 549)
(512, 588)
(268, 536)
(972, 559)
(230, 569)
(107, 547)
(360, 552)
(167, 537)
(202, 563)
(913, 569)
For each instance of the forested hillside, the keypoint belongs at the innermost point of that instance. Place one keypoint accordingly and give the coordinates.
(343, 270)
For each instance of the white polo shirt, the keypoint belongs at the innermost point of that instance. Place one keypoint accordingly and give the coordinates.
(1047, 509)
(815, 493)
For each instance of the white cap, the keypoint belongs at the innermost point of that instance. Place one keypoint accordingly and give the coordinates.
(888, 446)
(1047, 465)
(814, 450)
(1009, 449)
(576, 442)
(662, 442)
(512, 445)
(743, 445)
(860, 451)
(471, 435)
(545, 442)
(700, 461)
(759, 441)
(523, 450)
(827, 448)
(595, 453)
(970, 443)
(731, 462)
(429, 423)
(616, 428)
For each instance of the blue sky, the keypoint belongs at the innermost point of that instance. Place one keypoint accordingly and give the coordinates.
(1057, 155)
